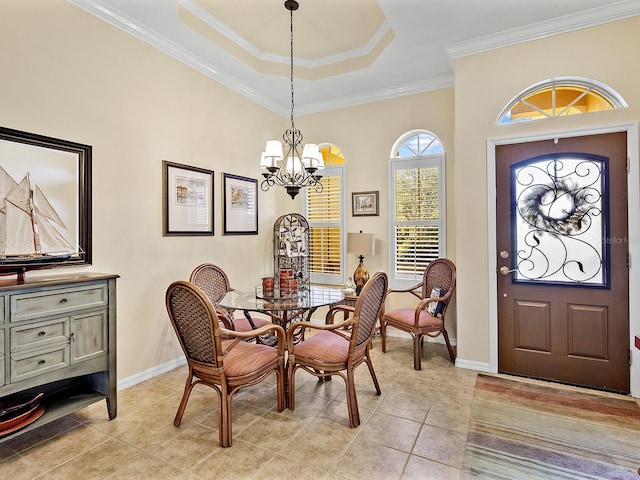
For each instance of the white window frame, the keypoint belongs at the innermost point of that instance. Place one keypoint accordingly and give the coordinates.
(407, 163)
(325, 278)
(588, 84)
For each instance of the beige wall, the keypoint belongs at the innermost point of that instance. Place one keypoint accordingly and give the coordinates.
(366, 135)
(485, 83)
(69, 75)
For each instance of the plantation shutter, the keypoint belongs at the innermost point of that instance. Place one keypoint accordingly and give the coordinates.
(324, 214)
(417, 216)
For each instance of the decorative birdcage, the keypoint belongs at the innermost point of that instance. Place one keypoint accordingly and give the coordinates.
(290, 249)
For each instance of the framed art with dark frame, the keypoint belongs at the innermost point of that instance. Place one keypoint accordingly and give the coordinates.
(187, 200)
(364, 204)
(240, 205)
(45, 189)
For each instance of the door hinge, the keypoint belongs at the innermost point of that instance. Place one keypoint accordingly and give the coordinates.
(628, 164)
(630, 357)
(628, 260)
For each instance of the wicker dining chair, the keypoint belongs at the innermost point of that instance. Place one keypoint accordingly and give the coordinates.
(224, 364)
(334, 351)
(212, 280)
(427, 318)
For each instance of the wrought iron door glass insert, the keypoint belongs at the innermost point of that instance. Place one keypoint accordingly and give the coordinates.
(560, 220)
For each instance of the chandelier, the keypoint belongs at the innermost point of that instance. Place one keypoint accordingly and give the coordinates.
(297, 167)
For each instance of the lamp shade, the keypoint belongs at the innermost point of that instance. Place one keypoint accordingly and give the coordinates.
(273, 150)
(361, 244)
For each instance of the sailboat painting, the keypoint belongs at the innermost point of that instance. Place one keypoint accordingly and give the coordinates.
(45, 203)
(30, 228)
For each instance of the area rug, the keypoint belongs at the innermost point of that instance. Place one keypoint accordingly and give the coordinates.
(525, 430)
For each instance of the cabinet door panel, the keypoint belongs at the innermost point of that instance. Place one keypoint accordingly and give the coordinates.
(1, 357)
(89, 336)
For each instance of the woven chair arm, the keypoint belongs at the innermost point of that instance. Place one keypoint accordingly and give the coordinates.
(279, 331)
(338, 308)
(426, 301)
(292, 330)
(225, 317)
(411, 290)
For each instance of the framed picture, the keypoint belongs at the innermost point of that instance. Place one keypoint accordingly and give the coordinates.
(45, 192)
(240, 200)
(364, 204)
(187, 194)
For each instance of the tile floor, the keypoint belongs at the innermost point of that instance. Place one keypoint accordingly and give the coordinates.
(416, 429)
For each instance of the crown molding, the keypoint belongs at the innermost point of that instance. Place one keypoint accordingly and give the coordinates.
(537, 31)
(123, 22)
(378, 95)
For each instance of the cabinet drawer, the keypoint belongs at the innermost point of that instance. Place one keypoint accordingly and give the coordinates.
(27, 365)
(40, 334)
(40, 304)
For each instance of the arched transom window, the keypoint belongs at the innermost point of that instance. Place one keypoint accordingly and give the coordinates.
(560, 97)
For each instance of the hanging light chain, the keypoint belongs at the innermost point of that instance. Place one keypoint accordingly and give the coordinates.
(292, 103)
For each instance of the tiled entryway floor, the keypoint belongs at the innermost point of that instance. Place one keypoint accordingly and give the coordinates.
(416, 429)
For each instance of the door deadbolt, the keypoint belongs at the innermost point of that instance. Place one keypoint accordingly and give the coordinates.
(504, 254)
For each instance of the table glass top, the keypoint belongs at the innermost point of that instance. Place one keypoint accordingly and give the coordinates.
(316, 296)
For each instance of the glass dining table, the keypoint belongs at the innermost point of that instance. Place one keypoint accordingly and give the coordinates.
(283, 311)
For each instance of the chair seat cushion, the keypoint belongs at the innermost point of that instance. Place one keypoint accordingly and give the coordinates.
(241, 324)
(245, 357)
(324, 346)
(406, 316)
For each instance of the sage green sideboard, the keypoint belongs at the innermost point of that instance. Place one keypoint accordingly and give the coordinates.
(58, 337)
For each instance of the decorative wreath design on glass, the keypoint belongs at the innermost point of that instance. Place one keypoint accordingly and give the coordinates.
(557, 208)
(559, 231)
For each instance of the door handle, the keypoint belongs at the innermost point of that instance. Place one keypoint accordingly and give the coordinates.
(504, 270)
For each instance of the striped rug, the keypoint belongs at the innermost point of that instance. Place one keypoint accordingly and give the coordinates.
(528, 430)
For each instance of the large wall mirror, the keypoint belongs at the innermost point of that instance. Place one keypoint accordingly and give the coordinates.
(45, 202)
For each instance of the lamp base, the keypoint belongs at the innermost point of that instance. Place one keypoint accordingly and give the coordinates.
(360, 276)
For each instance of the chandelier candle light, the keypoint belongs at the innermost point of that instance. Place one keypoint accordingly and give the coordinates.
(361, 244)
(296, 169)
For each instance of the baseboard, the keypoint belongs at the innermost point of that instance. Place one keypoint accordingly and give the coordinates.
(150, 373)
(471, 365)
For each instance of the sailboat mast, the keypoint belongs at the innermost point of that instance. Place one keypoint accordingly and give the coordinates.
(32, 214)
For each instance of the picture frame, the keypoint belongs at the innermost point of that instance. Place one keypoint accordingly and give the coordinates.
(365, 204)
(187, 200)
(58, 172)
(240, 205)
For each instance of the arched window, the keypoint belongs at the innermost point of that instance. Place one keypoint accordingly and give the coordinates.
(416, 205)
(325, 213)
(560, 97)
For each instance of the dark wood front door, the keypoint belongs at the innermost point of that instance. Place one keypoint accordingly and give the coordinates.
(563, 277)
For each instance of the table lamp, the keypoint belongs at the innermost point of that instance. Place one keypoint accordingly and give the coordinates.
(361, 244)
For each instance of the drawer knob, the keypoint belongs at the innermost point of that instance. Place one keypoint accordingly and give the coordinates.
(64, 300)
(42, 362)
(41, 334)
